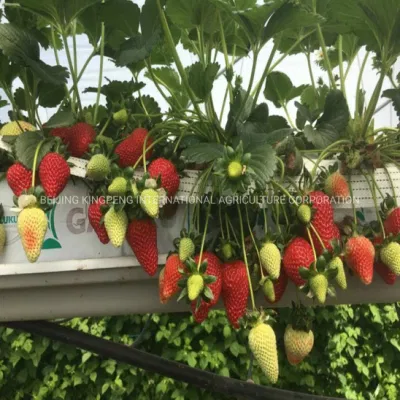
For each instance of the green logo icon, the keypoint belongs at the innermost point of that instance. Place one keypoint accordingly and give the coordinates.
(52, 243)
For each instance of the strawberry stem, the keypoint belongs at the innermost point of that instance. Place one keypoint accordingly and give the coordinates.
(245, 258)
(373, 193)
(220, 221)
(352, 199)
(204, 235)
(317, 235)
(254, 241)
(265, 221)
(391, 185)
(35, 158)
(105, 126)
(312, 243)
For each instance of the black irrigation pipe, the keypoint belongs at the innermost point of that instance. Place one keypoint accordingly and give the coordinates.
(158, 365)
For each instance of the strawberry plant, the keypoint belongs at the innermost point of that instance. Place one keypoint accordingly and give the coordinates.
(233, 242)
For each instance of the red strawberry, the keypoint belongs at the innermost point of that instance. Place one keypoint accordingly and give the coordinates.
(327, 234)
(172, 276)
(392, 222)
(142, 237)
(280, 286)
(235, 290)
(297, 254)
(322, 221)
(214, 269)
(19, 178)
(383, 270)
(81, 135)
(201, 313)
(63, 133)
(161, 281)
(131, 149)
(54, 173)
(164, 169)
(95, 215)
(385, 273)
(359, 256)
(322, 208)
(336, 186)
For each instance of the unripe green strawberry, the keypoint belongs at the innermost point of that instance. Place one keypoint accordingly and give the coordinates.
(298, 344)
(340, 278)
(116, 224)
(235, 170)
(304, 214)
(269, 290)
(195, 286)
(262, 342)
(118, 186)
(186, 248)
(121, 116)
(107, 141)
(271, 259)
(98, 167)
(390, 256)
(2, 238)
(319, 286)
(227, 251)
(14, 128)
(32, 228)
(149, 202)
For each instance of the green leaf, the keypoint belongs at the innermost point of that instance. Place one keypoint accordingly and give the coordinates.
(61, 12)
(202, 80)
(236, 106)
(279, 88)
(276, 122)
(322, 136)
(263, 162)
(336, 111)
(20, 99)
(276, 136)
(290, 16)
(23, 49)
(25, 147)
(8, 71)
(182, 13)
(394, 95)
(121, 15)
(115, 91)
(146, 105)
(50, 95)
(167, 77)
(61, 118)
(203, 152)
(136, 49)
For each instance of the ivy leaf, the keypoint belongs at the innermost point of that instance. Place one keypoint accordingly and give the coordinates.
(394, 95)
(322, 136)
(336, 111)
(202, 80)
(25, 146)
(60, 119)
(50, 95)
(167, 77)
(203, 152)
(23, 49)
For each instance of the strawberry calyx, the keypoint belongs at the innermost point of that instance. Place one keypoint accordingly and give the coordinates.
(194, 283)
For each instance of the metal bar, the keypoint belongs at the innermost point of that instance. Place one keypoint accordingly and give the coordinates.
(159, 365)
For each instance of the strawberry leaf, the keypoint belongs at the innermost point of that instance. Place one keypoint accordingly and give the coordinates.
(322, 136)
(61, 118)
(201, 80)
(394, 95)
(203, 152)
(26, 145)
